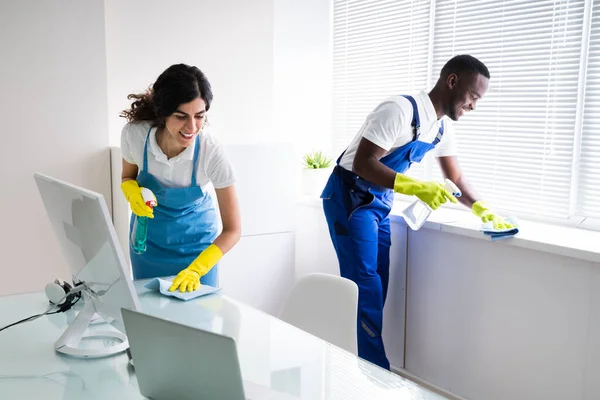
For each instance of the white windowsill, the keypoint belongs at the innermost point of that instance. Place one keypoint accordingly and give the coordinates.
(550, 238)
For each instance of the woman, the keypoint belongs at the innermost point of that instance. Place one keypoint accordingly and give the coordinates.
(167, 149)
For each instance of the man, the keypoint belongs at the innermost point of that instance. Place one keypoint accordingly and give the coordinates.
(359, 194)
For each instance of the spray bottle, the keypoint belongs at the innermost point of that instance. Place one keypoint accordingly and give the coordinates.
(140, 224)
(417, 213)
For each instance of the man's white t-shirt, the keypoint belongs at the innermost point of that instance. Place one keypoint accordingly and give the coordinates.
(213, 165)
(389, 127)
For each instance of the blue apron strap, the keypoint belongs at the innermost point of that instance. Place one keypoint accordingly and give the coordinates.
(440, 133)
(145, 163)
(415, 123)
(196, 152)
(340, 158)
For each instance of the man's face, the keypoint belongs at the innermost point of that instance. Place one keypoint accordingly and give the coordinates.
(465, 91)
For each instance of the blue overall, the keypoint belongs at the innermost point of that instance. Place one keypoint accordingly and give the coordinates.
(184, 224)
(357, 216)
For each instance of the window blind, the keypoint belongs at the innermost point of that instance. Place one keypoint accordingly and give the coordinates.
(380, 48)
(589, 166)
(517, 147)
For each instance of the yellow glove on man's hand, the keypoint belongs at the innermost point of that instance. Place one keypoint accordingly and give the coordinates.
(482, 211)
(133, 194)
(188, 279)
(433, 194)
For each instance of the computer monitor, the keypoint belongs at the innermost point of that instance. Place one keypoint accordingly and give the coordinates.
(82, 224)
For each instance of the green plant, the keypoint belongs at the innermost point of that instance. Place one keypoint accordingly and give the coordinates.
(316, 160)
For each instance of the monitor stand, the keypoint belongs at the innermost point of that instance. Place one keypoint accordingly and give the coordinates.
(69, 341)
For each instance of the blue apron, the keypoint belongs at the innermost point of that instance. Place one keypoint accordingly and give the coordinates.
(357, 215)
(184, 224)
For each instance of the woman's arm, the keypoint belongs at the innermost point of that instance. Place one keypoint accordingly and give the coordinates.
(188, 279)
(230, 216)
(129, 171)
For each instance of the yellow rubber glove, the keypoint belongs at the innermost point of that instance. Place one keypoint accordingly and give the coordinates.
(481, 209)
(188, 279)
(431, 193)
(133, 194)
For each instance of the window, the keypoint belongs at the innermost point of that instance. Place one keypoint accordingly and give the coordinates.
(530, 145)
(367, 64)
(589, 166)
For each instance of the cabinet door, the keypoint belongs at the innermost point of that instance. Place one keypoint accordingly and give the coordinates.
(266, 180)
(259, 271)
(394, 313)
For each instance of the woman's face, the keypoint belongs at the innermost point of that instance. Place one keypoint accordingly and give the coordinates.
(185, 123)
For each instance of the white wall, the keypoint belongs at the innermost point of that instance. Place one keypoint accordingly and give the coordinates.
(230, 40)
(302, 73)
(53, 108)
(269, 62)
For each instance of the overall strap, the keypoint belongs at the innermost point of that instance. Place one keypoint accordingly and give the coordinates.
(415, 123)
(439, 134)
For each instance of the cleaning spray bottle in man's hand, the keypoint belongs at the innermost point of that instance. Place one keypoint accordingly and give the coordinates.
(417, 213)
(139, 232)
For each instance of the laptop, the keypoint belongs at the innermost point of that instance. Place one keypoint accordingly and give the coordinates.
(175, 361)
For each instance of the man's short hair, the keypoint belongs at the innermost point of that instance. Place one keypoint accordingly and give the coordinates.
(464, 63)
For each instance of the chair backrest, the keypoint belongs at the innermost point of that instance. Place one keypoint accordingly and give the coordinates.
(325, 306)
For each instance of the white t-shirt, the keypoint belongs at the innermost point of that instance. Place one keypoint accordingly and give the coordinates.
(213, 165)
(389, 127)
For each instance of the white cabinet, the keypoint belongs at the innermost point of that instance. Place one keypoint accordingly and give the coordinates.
(314, 250)
(491, 321)
(259, 271)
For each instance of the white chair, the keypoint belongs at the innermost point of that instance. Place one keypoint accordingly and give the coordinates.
(325, 306)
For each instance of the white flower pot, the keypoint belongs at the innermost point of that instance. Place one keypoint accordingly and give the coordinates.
(314, 180)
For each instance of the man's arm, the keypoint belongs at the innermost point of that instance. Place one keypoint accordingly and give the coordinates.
(367, 165)
(383, 126)
(451, 170)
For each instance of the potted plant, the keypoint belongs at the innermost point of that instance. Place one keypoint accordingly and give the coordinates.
(317, 168)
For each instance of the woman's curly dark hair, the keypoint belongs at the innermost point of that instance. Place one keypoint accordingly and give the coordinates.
(177, 85)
